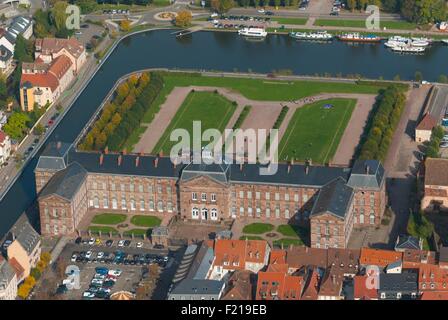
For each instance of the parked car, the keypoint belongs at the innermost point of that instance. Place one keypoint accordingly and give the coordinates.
(101, 270)
(100, 255)
(127, 243)
(88, 254)
(78, 240)
(61, 289)
(91, 241)
(87, 295)
(74, 257)
(158, 246)
(139, 244)
(269, 13)
(121, 243)
(109, 243)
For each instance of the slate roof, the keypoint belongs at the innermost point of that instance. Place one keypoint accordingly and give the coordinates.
(5, 54)
(334, 198)
(367, 174)
(217, 172)
(407, 242)
(198, 287)
(7, 273)
(19, 25)
(436, 172)
(396, 282)
(24, 233)
(54, 157)
(65, 183)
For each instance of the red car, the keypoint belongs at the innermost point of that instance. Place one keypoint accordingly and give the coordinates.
(50, 122)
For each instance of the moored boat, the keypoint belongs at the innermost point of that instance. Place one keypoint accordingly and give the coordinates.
(320, 35)
(408, 49)
(253, 32)
(356, 37)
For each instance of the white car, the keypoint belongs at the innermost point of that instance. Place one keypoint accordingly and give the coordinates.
(73, 259)
(99, 276)
(78, 33)
(91, 241)
(115, 273)
(89, 254)
(88, 295)
(139, 244)
(165, 258)
(121, 243)
(261, 11)
(214, 15)
(100, 255)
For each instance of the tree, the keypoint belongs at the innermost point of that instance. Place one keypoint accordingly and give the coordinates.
(351, 4)
(125, 25)
(418, 76)
(86, 6)
(45, 257)
(443, 78)
(35, 273)
(58, 15)
(16, 125)
(23, 291)
(222, 6)
(39, 129)
(23, 51)
(183, 19)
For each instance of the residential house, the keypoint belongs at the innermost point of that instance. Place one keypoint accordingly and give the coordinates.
(424, 128)
(408, 242)
(276, 284)
(25, 247)
(432, 278)
(5, 59)
(231, 255)
(398, 286)
(312, 279)
(5, 147)
(365, 288)
(379, 257)
(412, 259)
(394, 267)
(21, 25)
(8, 281)
(435, 196)
(41, 84)
(240, 286)
(49, 49)
(331, 285)
(3, 119)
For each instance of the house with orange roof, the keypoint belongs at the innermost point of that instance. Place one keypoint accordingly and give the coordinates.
(331, 285)
(231, 255)
(379, 257)
(364, 288)
(432, 278)
(435, 196)
(239, 286)
(424, 129)
(49, 49)
(434, 295)
(412, 259)
(312, 278)
(41, 84)
(276, 284)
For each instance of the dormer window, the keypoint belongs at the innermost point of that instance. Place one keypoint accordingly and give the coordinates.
(226, 263)
(236, 264)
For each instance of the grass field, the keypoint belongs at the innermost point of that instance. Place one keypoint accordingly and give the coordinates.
(109, 218)
(399, 25)
(146, 221)
(136, 232)
(258, 228)
(287, 242)
(212, 109)
(103, 229)
(297, 21)
(251, 238)
(314, 132)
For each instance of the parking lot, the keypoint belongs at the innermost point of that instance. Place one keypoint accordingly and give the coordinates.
(108, 268)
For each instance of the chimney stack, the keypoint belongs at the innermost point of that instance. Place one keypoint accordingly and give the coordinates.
(156, 162)
(307, 169)
(101, 159)
(289, 168)
(137, 161)
(367, 169)
(58, 145)
(119, 160)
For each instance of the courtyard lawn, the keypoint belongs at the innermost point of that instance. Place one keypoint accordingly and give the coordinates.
(296, 21)
(103, 229)
(109, 218)
(251, 238)
(399, 25)
(314, 132)
(146, 221)
(258, 228)
(287, 242)
(211, 109)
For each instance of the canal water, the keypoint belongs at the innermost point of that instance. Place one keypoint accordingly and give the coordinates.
(222, 51)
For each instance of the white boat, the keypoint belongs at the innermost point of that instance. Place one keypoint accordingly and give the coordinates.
(429, 40)
(420, 43)
(253, 32)
(399, 39)
(408, 49)
(445, 41)
(320, 35)
(394, 43)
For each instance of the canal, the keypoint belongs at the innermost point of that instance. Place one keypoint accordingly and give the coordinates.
(221, 51)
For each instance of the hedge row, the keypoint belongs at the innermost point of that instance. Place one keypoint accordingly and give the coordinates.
(280, 117)
(433, 146)
(242, 117)
(387, 113)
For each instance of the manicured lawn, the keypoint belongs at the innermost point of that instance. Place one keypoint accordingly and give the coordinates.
(400, 25)
(102, 229)
(258, 228)
(211, 109)
(287, 242)
(137, 232)
(146, 221)
(251, 238)
(314, 132)
(298, 21)
(264, 89)
(109, 218)
(293, 231)
(134, 138)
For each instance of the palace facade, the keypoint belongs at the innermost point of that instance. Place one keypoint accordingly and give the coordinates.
(71, 183)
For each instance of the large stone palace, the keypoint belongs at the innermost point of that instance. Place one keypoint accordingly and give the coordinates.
(71, 183)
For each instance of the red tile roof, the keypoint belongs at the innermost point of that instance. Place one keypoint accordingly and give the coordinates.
(361, 291)
(2, 136)
(427, 123)
(379, 257)
(311, 291)
(275, 283)
(60, 66)
(233, 254)
(46, 80)
(434, 295)
(432, 278)
(239, 286)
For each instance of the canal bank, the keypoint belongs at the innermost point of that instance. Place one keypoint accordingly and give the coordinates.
(213, 51)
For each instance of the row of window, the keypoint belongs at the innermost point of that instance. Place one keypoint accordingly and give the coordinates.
(55, 213)
(258, 211)
(161, 206)
(204, 213)
(131, 187)
(267, 196)
(194, 196)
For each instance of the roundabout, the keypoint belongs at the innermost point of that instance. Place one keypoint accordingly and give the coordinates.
(165, 16)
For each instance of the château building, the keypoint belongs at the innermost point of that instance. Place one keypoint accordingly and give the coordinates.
(72, 184)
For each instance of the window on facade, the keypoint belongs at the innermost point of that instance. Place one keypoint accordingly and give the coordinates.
(241, 211)
(204, 213)
(268, 212)
(195, 213)
(159, 189)
(140, 188)
(168, 190)
(277, 196)
(305, 198)
(203, 196)
(268, 196)
(96, 202)
(214, 214)
(287, 213)
(47, 214)
(151, 205)
(160, 206)
(257, 195)
(150, 189)
(142, 204)
(114, 203)
(249, 211)
(296, 197)
(258, 212)
(169, 206)
(112, 187)
(213, 197)
(194, 196)
(131, 187)
(241, 194)
(123, 203)
(55, 213)
(361, 218)
(122, 187)
(372, 218)
(133, 204)
(286, 196)
(105, 202)
(249, 194)
(95, 185)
